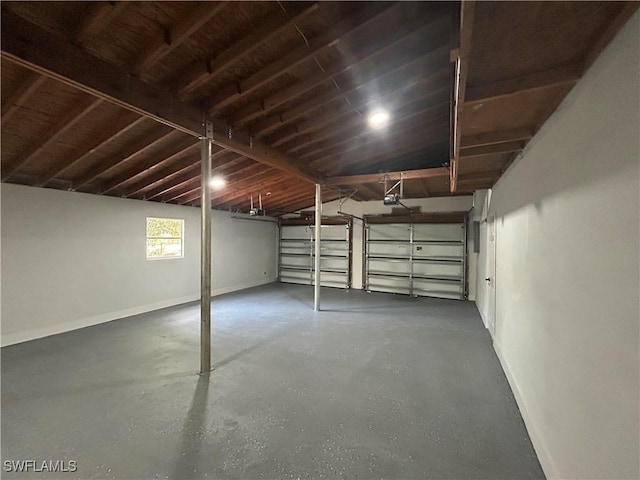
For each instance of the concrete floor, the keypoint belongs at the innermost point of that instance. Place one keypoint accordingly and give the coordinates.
(375, 386)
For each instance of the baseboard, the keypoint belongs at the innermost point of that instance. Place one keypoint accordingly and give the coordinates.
(241, 286)
(35, 333)
(544, 456)
(32, 334)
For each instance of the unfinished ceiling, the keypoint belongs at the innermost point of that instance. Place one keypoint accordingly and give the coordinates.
(110, 97)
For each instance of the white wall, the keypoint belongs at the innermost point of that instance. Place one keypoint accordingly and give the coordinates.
(428, 205)
(70, 259)
(567, 273)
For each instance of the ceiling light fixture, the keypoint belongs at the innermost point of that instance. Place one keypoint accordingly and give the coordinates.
(378, 119)
(217, 182)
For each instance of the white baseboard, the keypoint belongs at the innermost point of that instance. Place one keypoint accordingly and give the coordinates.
(544, 455)
(40, 332)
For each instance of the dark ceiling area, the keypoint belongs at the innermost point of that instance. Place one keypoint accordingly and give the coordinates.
(110, 97)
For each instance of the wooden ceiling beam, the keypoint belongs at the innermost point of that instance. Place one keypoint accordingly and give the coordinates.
(366, 60)
(177, 173)
(232, 187)
(62, 125)
(29, 45)
(491, 138)
(392, 176)
(140, 148)
(107, 138)
(102, 13)
(364, 136)
(162, 181)
(234, 91)
(381, 159)
(264, 185)
(553, 77)
(417, 140)
(467, 13)
(282, 196)
(27, 88)
(173, 37)
(191, 188)
(200, 73)
(331, 117)
(492, 149)
(396, 74)
(173, 152)
(173, 183)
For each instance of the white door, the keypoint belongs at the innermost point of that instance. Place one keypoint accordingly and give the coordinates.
(490, 278)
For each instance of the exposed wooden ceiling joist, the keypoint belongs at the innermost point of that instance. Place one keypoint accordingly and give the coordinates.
(27, 88)
(467, 12)
(491, 138)
(62, 125)
(31, 46)
(172, 38)
(200, 73)
(553, 77)
(232, 92)
(98, 19)
(378, 177)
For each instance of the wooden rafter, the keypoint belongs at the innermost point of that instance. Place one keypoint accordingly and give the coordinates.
(31, 46)
(200, 73)
(491, 138)
(416, 33)
(396, 73)
(173, 37)
(107, 138)
(377, 177)
(102, 13)
(164, 179)
(494, 149)
(27, 88)
(467, 13)
(70, 119)
(184, 177)
(237, 90)
(553, 77)
(140, 169)
(137, 150)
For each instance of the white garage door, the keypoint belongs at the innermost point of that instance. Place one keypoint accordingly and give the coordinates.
(416, 259)
(297, 255)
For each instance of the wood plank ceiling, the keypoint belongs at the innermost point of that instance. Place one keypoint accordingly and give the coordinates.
(109, 97)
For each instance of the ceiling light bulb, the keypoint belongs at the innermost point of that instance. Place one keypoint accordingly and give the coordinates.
(217, 182)
(378, 119)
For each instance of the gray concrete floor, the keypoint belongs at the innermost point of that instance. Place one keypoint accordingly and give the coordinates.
(374, 386)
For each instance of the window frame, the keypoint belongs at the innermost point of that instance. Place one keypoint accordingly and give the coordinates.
(180, 238)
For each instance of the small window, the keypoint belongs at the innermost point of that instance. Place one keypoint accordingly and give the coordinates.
(164, 238)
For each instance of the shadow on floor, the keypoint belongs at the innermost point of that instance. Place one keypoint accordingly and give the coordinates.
(193, 432)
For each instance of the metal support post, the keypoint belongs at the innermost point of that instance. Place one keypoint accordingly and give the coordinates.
(205, 253)
(316, 290)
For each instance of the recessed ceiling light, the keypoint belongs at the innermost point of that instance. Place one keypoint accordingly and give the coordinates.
(217, 182)
(378, 118)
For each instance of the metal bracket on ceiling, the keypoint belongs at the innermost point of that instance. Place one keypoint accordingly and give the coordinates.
(208, 129)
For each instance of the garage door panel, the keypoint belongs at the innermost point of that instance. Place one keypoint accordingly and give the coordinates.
(416, 259)
(297, 255)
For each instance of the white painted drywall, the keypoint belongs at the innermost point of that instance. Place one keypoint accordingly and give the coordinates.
(567, 273)
(70, 259)
(427, 205)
